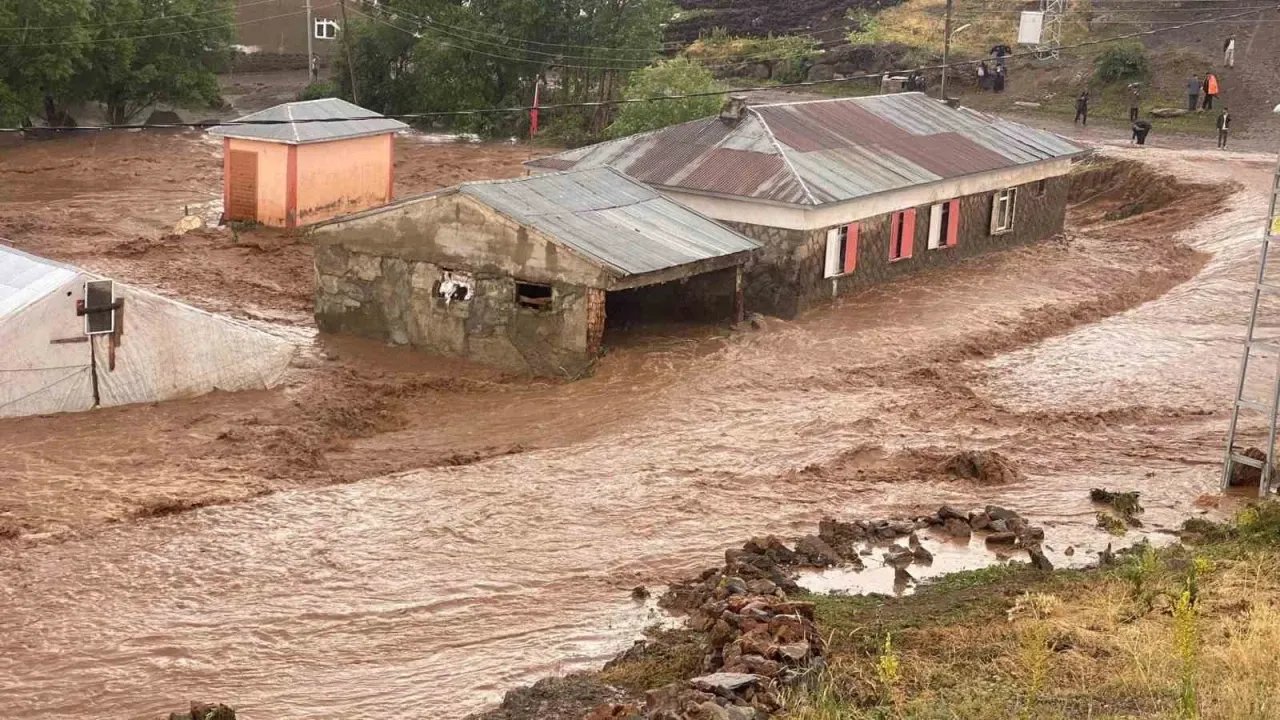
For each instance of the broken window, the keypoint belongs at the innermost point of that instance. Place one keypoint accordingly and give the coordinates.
(99, 313)
(1003, 208)
(532, 295)
(456, 287)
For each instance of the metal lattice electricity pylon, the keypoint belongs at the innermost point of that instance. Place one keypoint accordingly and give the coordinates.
(1051, 29)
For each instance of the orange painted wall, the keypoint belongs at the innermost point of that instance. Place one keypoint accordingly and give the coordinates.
(273, 170)
(343, 176)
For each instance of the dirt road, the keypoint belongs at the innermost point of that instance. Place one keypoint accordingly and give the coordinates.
(1102, 360)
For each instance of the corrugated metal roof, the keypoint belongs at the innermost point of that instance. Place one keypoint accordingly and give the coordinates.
(26, 278)
(822, 151)
(297, 133)
(611, 219)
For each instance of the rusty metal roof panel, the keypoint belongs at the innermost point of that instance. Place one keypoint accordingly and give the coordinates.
(824, 151)
(611, 219)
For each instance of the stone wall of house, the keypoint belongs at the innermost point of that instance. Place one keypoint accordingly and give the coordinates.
(787, 275)
(401, 301)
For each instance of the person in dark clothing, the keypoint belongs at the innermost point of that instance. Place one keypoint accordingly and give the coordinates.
(1140, 130)
(1193, 93)
(1224, 127)
(1082, 108)
(997, 81)
(1135, 100)
(1001, 52)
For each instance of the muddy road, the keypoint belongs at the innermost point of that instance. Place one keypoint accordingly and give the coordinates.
(346, 592)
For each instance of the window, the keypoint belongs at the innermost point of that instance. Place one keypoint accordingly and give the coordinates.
(531, 295)
(1042, 187)
(902, 232)
(944, 224)
(1003, 208)
(842, 250)
(98, 303)
(326, 29)
(455, 287)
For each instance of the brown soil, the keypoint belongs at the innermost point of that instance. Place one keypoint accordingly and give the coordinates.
(103, 201)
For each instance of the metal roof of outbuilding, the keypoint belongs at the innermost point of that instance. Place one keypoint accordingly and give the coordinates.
(611, 219)
(823, 151)
(319, 125)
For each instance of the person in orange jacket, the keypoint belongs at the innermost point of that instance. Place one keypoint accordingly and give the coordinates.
(1210, 90)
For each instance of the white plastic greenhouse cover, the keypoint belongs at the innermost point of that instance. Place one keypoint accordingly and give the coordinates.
(165, 350)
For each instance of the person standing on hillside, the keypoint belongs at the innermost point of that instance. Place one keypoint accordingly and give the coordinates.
(997, 82)
(983, 74)
(1082, 108)
(1193, 93)
(1210, 90)
(1229, 52)
(1135, 100)
(1224, 127)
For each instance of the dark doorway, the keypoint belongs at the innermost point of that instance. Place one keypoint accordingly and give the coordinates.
(698, 300)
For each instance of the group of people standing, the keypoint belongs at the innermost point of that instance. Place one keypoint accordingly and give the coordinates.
(1201, 94)
(993, 78)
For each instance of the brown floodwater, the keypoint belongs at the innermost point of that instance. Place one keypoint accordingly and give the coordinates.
(429, 593)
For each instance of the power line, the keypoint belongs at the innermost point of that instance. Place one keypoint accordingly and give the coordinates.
(92, 41)
(630, 101)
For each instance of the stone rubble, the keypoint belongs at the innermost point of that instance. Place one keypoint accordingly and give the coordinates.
(758, 641)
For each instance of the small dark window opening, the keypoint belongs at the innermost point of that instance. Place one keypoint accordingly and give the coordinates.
(531, 295)
(459, 293)
(945, 229)
(898, 241)
(1042, 186)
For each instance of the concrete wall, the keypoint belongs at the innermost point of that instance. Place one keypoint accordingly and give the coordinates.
(280, 26)
(378, 275)
(787, 275)
(343, 176)
(273, 178)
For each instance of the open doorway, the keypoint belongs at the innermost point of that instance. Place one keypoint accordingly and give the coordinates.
(709, 298)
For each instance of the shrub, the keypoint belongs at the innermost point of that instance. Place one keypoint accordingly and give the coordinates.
(317, 90)
(673, 77)
(1122, 61)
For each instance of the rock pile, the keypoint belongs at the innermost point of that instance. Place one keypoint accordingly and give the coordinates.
(1003, 527)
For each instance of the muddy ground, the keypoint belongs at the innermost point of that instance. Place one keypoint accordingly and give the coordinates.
(398, 531)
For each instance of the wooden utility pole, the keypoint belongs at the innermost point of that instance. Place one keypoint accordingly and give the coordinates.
(346, 40)
(946, 50)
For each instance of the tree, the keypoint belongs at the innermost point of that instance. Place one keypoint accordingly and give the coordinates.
(443, 55)
(673, 77)
(41, 47)
(143, 52)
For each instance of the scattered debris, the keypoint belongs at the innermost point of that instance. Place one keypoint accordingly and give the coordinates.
(986, 467)
(1111, 523)
(205, 711)
(639, 593)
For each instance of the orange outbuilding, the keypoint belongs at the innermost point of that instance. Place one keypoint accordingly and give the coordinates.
(305, 162)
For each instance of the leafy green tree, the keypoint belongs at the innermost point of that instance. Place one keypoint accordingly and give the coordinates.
(673, 77)
(143, 52)
(41, 47)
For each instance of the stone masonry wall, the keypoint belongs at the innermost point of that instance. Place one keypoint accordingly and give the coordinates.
(787, 275)
(398, 300)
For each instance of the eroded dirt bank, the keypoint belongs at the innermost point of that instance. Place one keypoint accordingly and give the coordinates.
(441, 588)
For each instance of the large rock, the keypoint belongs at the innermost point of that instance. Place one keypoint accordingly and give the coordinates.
(724, 684)
(986, 467)
(957, 529)
(812, 550)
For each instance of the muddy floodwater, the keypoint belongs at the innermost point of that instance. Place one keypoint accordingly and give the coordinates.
(1106, 359)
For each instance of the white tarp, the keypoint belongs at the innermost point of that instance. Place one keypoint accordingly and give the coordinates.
(165, 349)
(1030, 27)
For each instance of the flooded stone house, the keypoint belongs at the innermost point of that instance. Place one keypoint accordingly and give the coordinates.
(527, 275)
(304, 162)
(849, 192)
